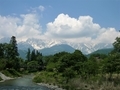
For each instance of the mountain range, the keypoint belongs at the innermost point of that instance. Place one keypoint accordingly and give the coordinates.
(40, 44)
(48, 47)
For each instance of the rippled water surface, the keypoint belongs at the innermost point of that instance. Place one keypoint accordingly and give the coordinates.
(22, 83)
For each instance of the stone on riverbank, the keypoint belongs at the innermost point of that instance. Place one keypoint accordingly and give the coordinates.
(4, 77)
(50, 86)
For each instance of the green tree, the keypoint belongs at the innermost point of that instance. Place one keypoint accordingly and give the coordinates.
(1, 50)
(33, 55)
(28, 56)
(74, 61)
(68, 73)
(14, 47)
(63, 63)
(116, 45)
(112, 63)
(78, 56)
(7, 51)
(11, 54)
(78, 61)
(40, 61)
(32, 66)
(92, 67)
(2, 64)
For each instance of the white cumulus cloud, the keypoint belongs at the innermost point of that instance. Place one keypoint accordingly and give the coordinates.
(64, 27)
(26, 26)
(82, 29)
(8, 25)
(108, 35)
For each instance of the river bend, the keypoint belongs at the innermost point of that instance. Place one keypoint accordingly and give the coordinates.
(22, 83)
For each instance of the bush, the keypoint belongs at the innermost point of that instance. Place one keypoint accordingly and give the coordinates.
(37, 79)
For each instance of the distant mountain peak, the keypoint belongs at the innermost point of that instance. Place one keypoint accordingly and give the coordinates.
(40, 44)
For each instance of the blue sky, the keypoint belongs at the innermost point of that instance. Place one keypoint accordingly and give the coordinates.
(46, 13)
(104, 12)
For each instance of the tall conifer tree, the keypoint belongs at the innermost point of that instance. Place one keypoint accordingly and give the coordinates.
(14, 47)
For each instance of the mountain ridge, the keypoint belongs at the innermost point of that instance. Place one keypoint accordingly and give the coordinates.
(56, 49)
(40, 44)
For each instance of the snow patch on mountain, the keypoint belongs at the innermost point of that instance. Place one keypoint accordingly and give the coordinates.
(39, 44)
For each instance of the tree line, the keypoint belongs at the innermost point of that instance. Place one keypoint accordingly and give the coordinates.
(63, 67)
(9, 55)
(9, 58)
(34, 61)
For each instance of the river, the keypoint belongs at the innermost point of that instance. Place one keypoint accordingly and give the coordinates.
(22, 83)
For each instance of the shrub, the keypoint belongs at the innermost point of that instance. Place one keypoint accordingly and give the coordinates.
(37, 79)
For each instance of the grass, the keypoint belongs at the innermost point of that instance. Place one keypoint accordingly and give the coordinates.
(96, 83)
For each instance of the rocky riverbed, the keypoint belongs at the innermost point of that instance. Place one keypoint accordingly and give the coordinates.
(4, 77)
(53, 87)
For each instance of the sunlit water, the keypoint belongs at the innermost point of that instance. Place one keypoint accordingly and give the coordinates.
(22, 83)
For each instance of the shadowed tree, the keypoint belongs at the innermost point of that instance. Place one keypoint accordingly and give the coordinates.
(112, 63)
(14, 47)
(33, 56)
(28, 56)
(14, 53)
(1, 50)
(116, 45)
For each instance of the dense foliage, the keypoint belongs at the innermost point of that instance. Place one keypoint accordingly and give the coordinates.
(68, 70)
(71, 70)
(9, 55)
(34, 61)
(9, 58)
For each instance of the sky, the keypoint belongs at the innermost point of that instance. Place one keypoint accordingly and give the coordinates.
(78, 21)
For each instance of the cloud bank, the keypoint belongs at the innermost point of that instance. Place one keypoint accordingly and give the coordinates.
(67, 27)
(64, 27)
(80, 30)
(26, 26)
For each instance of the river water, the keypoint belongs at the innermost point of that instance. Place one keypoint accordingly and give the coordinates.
(22, 83)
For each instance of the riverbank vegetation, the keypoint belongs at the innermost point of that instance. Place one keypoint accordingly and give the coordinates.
(10, 62)
(70, 71)
(13, 66)
(11, 73)
(74, 71)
